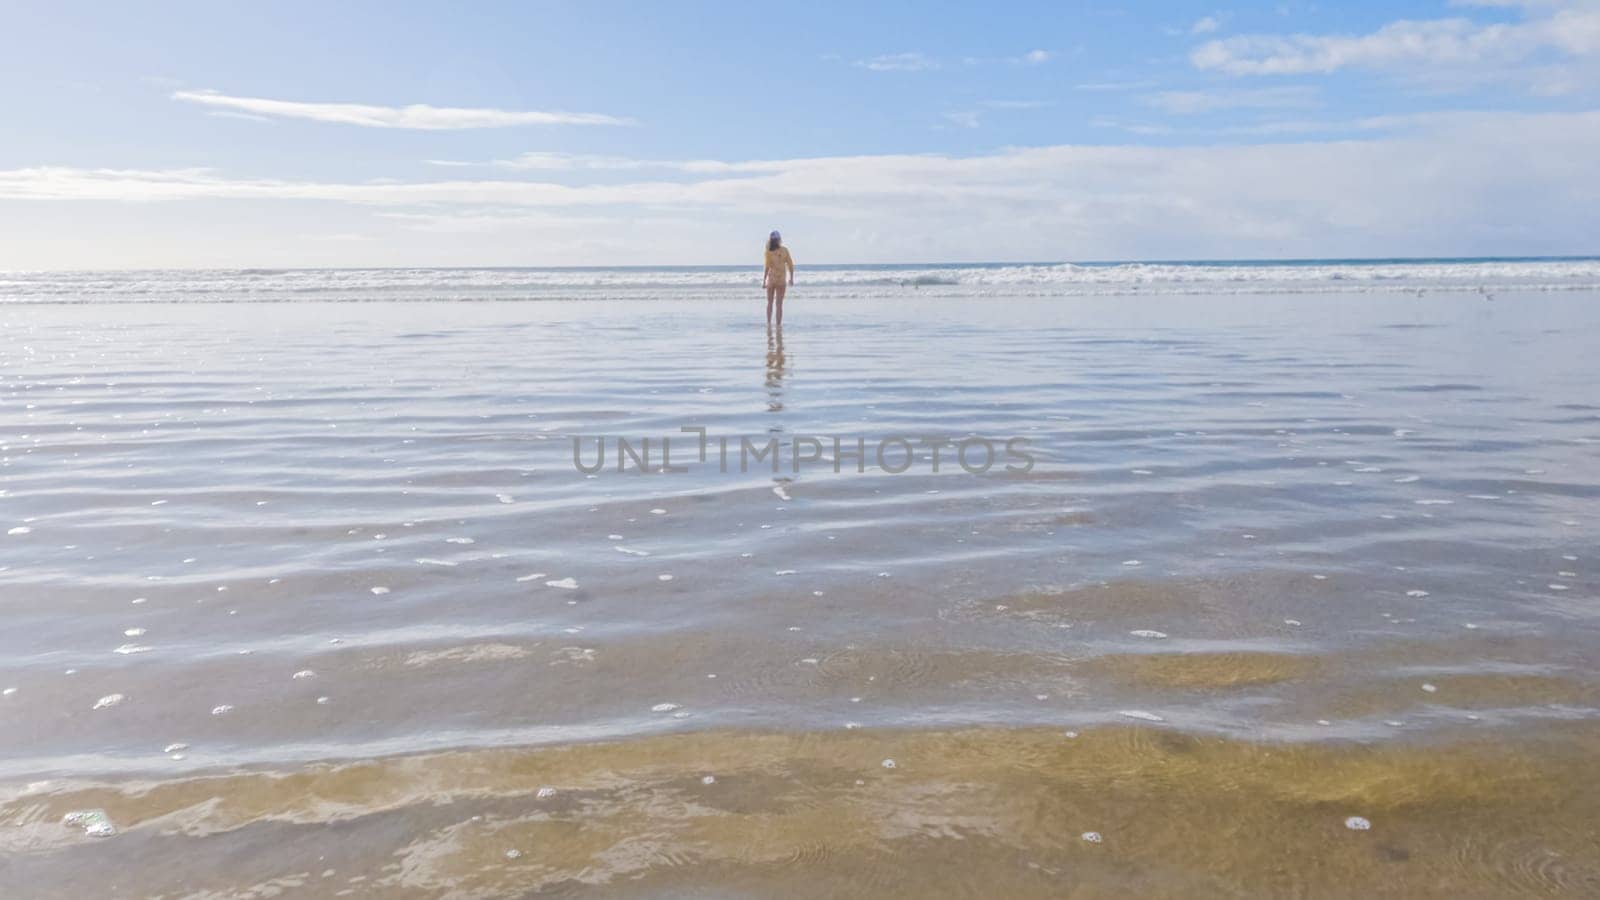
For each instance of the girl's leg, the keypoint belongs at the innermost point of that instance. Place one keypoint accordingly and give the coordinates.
(771, 291)
(782, 289)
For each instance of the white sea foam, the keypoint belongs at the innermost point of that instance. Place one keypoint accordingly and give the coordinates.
(1058, 279)
(94, 822)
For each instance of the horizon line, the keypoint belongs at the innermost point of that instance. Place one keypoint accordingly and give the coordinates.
(1287, 260)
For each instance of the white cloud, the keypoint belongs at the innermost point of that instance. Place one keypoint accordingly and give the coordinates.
(548, 161)
(1185, 103)
(1297, 127)
(415, 116)
(1570, 29)
(963, 118)
(490, 220)
(899, 62)
(1492, 183)
(1031, 58)
(1144, 129)
(1107, 86)
(1205, 25)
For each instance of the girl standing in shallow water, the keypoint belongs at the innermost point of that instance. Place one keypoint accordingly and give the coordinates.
(779, 263)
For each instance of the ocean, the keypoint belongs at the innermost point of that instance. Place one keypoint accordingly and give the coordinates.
(1166, 579)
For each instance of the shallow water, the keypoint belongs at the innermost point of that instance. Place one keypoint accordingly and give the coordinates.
(1279, 561)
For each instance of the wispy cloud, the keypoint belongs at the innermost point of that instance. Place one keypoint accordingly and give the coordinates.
(474, 220)
(1144, 129)
(1299, 127)
(416, 116)
(963, 118)
(899, 62)
(1187, 103)
(1565, 27)
(1108, 86)
(566, 162)
(922, 62)
(1015, 104)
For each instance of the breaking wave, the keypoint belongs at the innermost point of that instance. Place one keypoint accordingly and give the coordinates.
(717, 282)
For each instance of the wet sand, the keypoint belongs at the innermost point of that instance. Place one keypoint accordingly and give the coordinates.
(1110, 811)
(311, 600)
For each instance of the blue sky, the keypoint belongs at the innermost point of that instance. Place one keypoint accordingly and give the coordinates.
(610, 133)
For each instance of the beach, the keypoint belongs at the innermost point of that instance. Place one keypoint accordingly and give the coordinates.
(1286, 588)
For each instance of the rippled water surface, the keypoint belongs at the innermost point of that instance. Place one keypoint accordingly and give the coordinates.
(311, 600)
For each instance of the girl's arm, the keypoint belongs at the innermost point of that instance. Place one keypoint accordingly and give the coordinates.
(790, 259)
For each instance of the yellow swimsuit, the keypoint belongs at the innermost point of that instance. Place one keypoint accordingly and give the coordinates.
(779, 264)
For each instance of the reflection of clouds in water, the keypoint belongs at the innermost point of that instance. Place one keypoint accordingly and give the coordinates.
(1286, 600)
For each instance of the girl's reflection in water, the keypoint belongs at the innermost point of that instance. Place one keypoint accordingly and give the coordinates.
(777, 364)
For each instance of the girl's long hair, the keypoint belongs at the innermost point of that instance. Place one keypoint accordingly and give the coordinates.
(773, 243)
